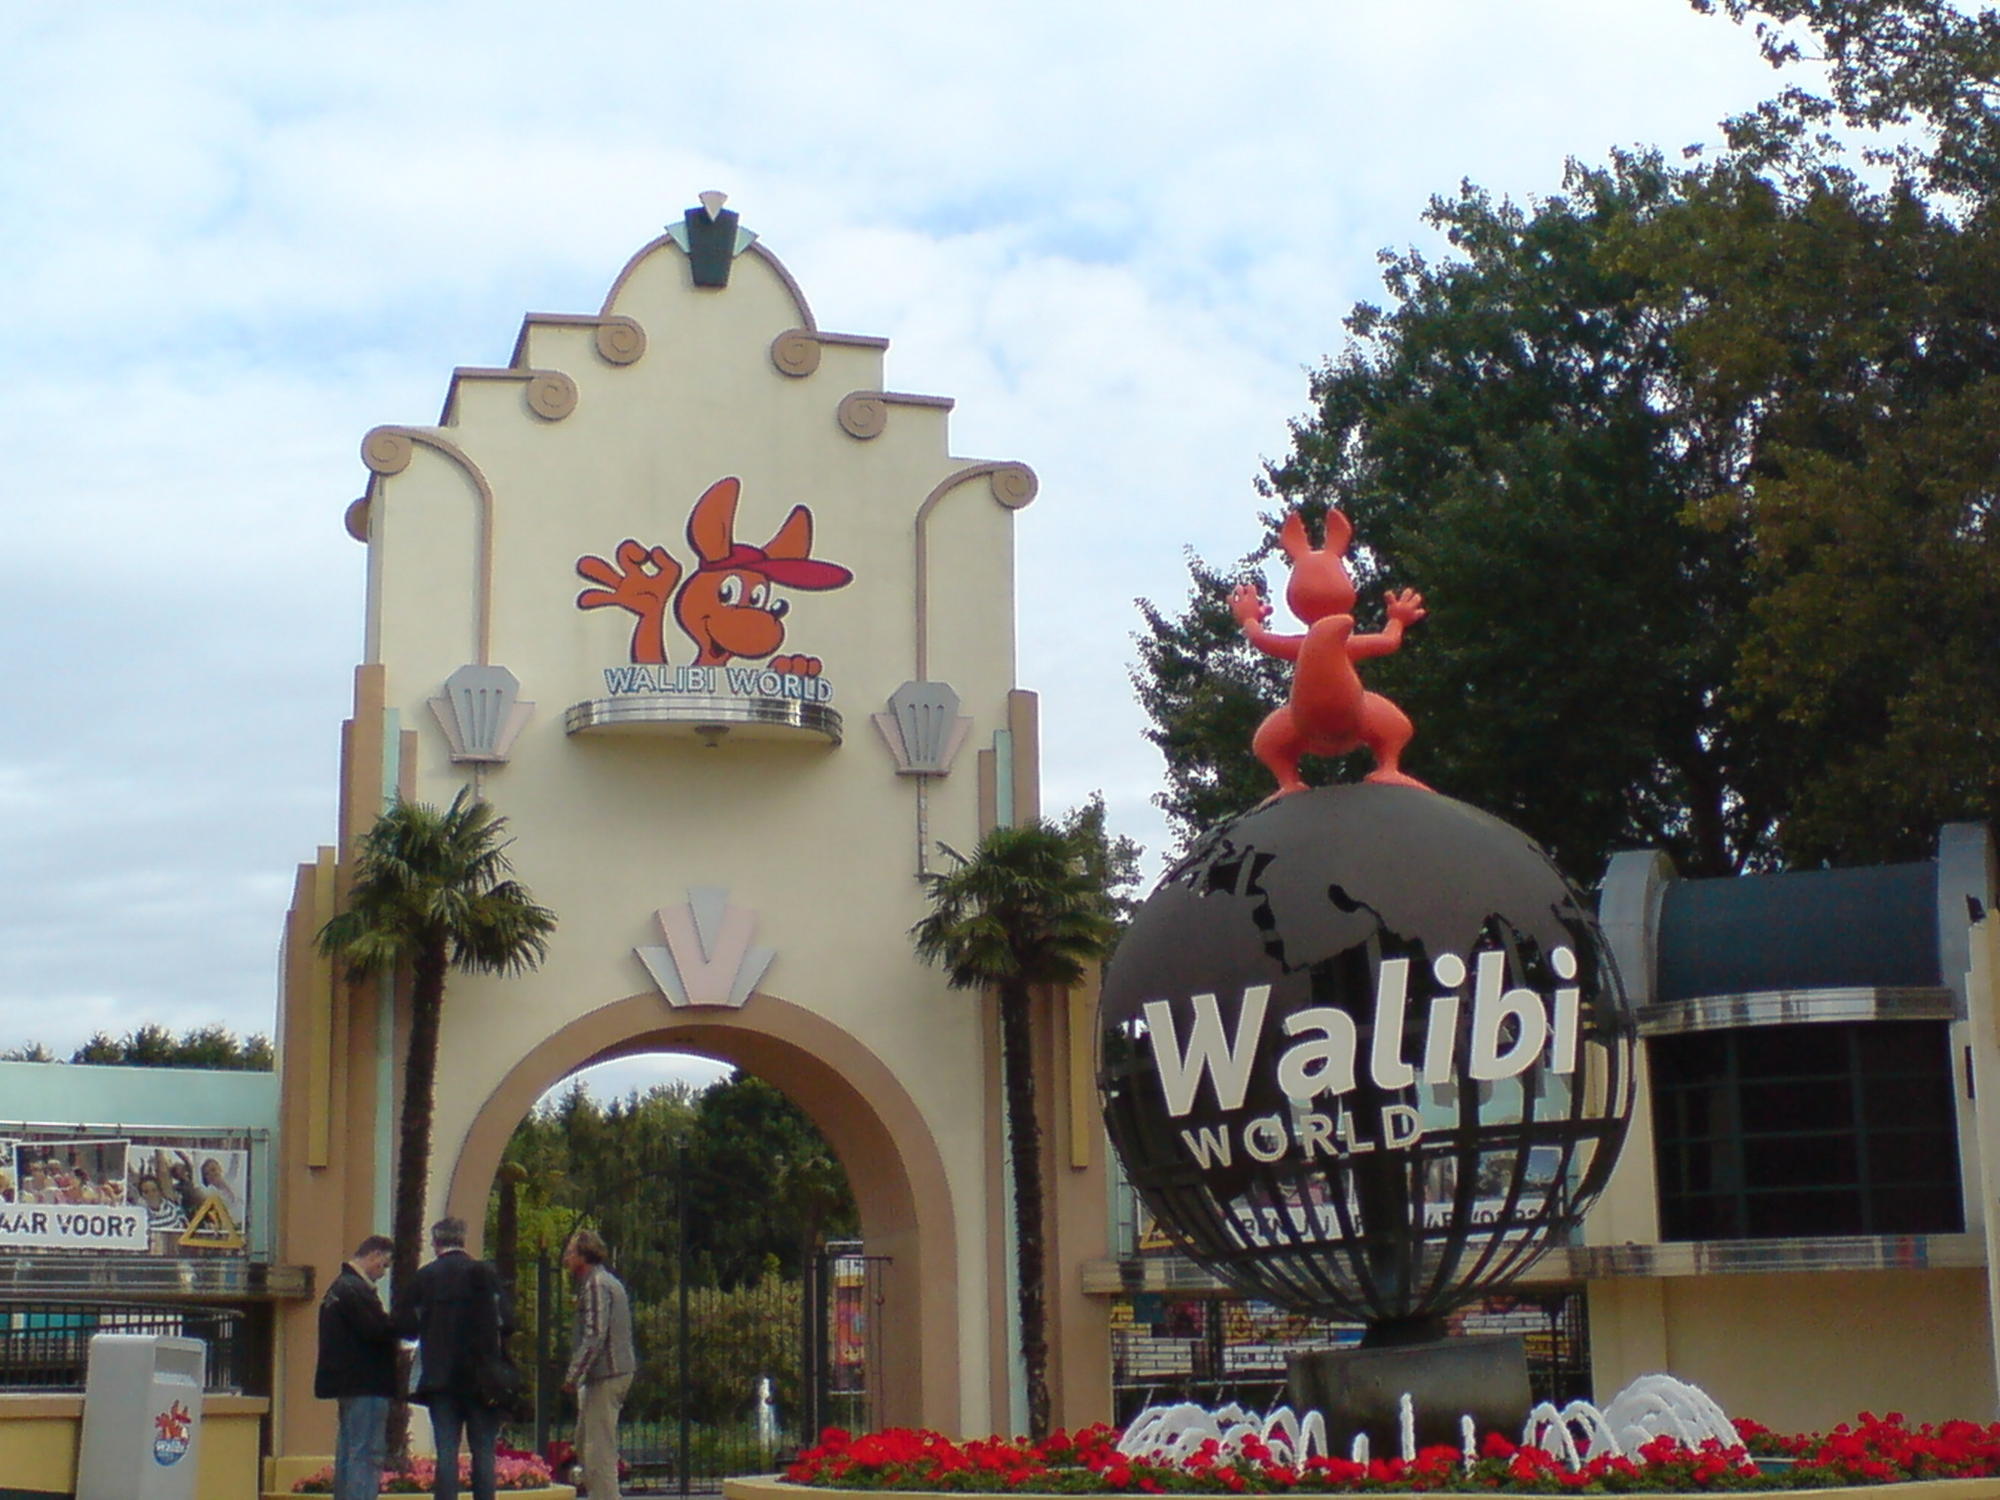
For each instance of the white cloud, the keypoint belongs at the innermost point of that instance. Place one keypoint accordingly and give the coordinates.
(239, 236)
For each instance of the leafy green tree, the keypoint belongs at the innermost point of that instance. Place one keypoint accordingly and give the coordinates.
(432, 892)
(1933, 65)
(153, 1046)
(1019, 916)
(743, 1214)
(1508, 436)
(1110, 861)
(735, 1337)
(1865, 328)
(1694, 467)
(1869, 317)
(764, 1188)
(148, 1046)
(810, 1188)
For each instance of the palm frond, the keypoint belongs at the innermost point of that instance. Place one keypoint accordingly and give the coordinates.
(426, 878)
(1019, 910)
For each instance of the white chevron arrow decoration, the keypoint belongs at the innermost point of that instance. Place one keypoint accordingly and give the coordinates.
(708, 958)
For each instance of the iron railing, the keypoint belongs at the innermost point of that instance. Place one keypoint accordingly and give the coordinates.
(45, 1346)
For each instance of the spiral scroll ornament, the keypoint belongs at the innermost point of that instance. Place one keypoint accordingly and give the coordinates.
(355, 520)
(386, 450)
(551, 395)
(1014, 485)
(863, 414)
(795, 352)
(620, 341)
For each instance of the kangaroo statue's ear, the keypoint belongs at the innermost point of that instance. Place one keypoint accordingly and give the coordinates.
(1338, 532)
(711, 529)
(1292, 537)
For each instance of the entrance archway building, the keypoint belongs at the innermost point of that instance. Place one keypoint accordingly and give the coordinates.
(726, 632)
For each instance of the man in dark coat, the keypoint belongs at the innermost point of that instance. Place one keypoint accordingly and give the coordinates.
(357, 1368)
(456, 1310)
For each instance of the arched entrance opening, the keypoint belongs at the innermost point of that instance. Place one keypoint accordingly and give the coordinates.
(892, 1163)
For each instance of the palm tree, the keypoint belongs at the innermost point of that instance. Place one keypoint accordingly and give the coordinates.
(432, 892)
(1019, 915)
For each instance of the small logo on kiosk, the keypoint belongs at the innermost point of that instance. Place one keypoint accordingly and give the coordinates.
(728, 605)
(171, 1438)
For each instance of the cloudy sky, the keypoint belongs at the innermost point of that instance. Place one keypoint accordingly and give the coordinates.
(234, 237)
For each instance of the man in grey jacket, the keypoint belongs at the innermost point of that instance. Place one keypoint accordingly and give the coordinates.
(601, 1364)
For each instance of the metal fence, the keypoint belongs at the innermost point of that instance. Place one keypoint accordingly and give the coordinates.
(731, 1381)
(844, 1334)
(45, 1346)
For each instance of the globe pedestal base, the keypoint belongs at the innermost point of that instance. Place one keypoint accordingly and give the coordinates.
(1361, 1390)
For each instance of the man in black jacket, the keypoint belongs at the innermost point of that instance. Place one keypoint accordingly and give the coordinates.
(456, 1310)
(357, 1368)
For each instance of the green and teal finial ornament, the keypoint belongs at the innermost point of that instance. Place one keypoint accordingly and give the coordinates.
(712, 239)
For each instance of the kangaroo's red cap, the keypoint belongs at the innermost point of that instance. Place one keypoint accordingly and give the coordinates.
(792, 572)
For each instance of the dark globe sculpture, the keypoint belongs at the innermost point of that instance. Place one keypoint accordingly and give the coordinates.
(1363, 1054)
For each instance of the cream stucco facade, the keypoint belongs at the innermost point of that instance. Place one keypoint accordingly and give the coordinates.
(624, 805)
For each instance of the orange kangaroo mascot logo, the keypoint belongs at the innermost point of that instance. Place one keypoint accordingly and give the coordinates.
(1328, 712)
(727, 606)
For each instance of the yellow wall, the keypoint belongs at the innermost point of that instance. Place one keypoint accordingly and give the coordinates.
(38, 1442)
(1803, 1351)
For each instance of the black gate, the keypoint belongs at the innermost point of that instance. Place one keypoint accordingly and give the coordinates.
(731, 1379)
(841, 1346)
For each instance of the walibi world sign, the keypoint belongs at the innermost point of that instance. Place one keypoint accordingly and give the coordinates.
(1363, 1052)
(728, 600)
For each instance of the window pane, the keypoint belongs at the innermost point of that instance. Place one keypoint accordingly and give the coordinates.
(1905, 1047)
(1917, 1210)
(1702, 1057)
(1908, 1103)
(1799, 1161)
(1798, 1106)
(1756, 1131)
(1791, 1215)
(1911, 1157)
(1808, 1051)
(1700, 1218)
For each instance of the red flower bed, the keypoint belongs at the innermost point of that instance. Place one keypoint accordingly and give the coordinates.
(1874, 1450)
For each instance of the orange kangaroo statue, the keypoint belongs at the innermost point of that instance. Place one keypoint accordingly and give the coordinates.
(1328, 712)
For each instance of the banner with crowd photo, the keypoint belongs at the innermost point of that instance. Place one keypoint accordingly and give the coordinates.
(194, 1197)
(7, 1147)
(87, 1173)
(70, 1195)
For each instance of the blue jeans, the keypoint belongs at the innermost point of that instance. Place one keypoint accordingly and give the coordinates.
(357, 1447)
(451, 1416)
